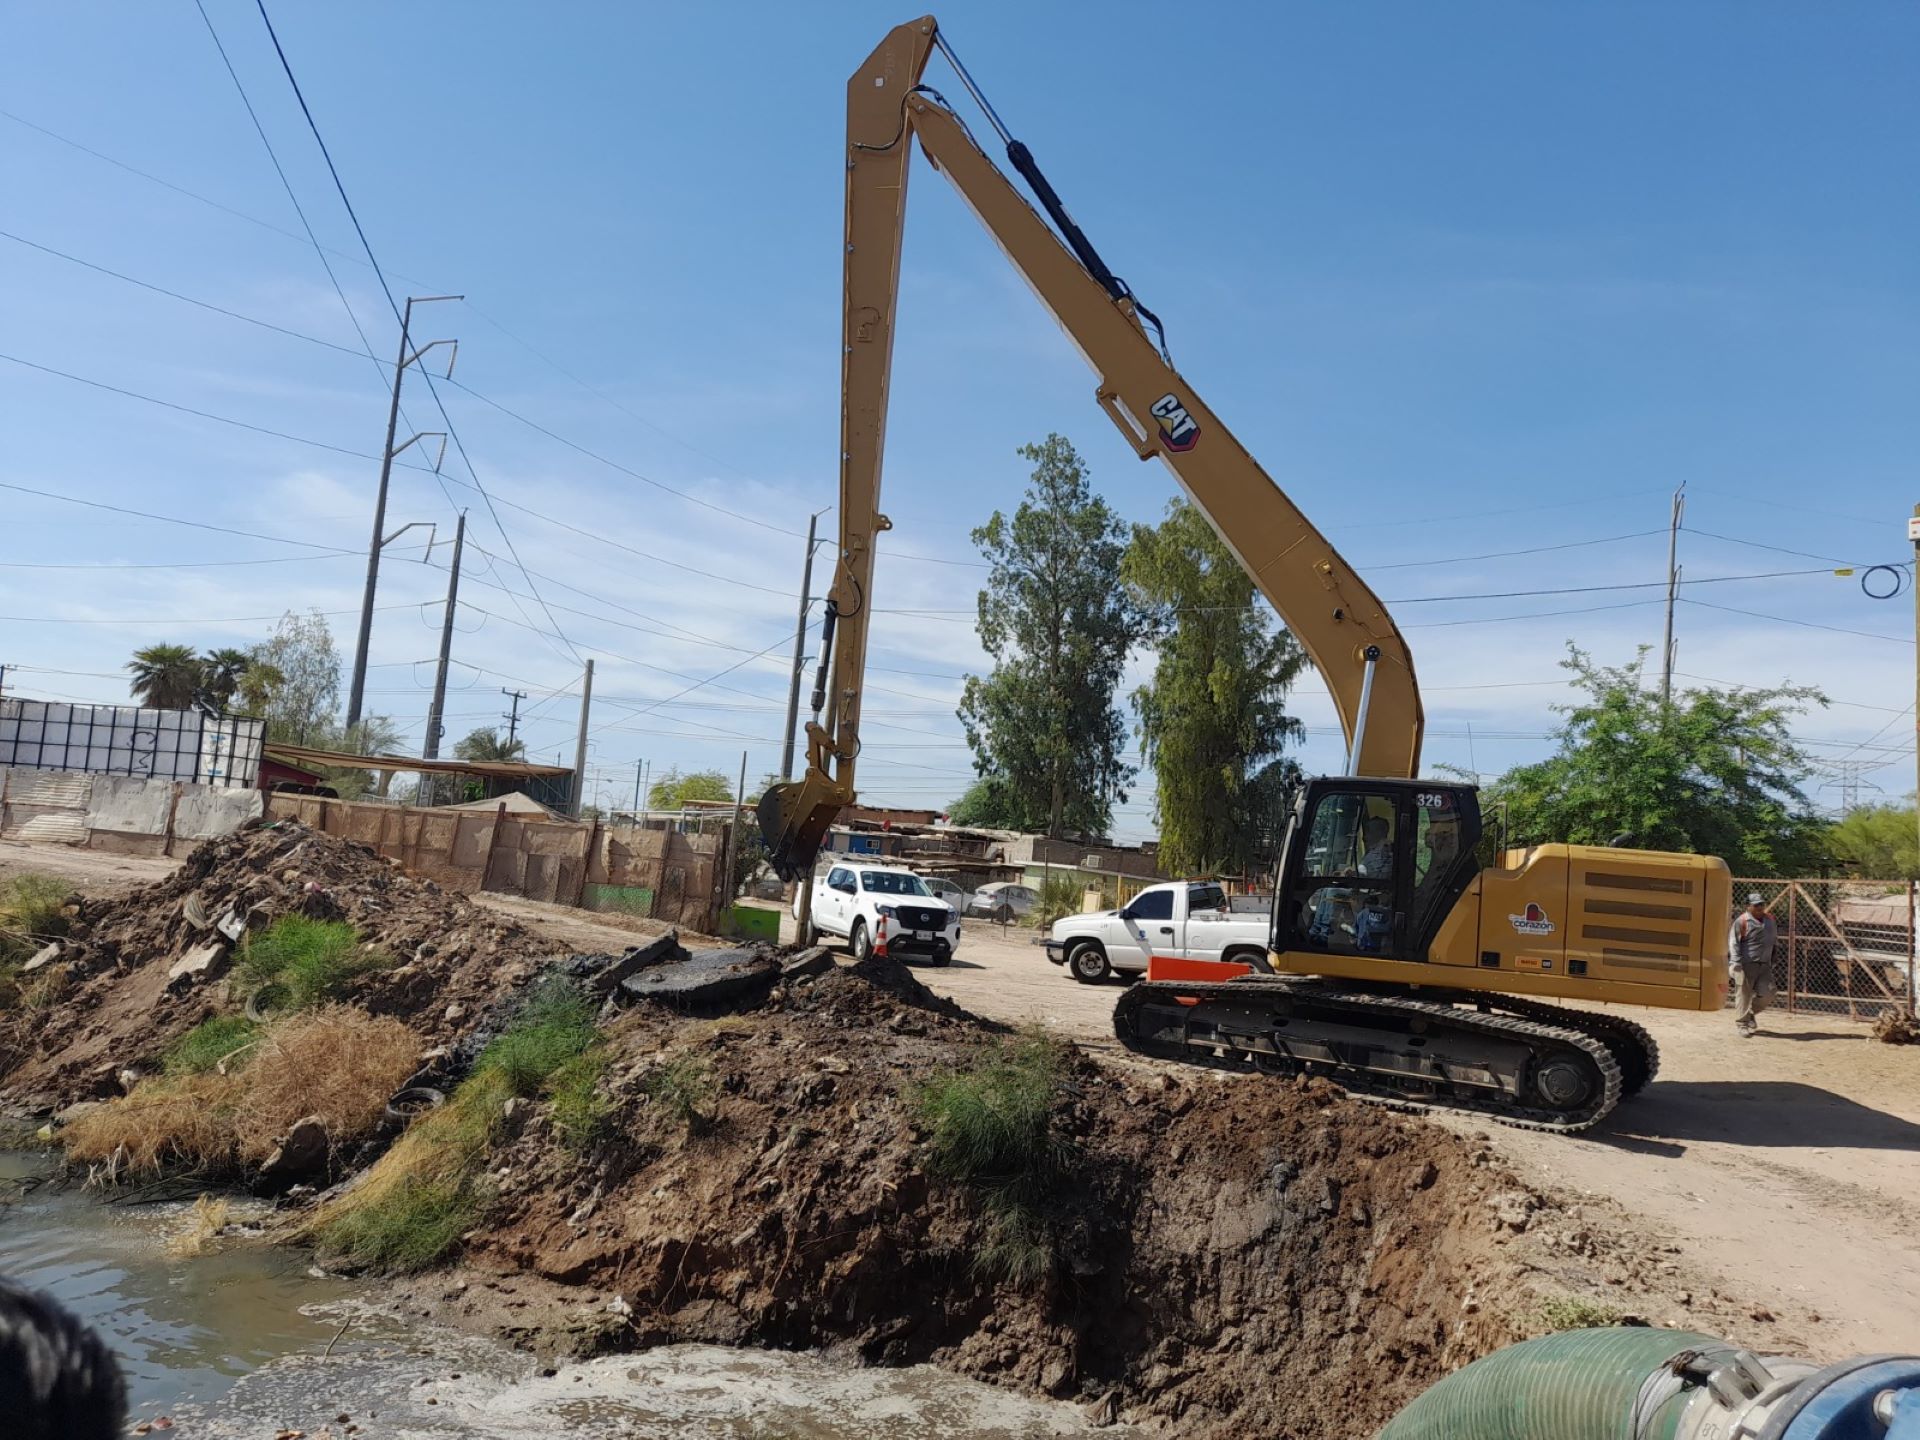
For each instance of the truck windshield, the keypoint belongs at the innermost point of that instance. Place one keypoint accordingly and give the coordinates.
(891, 882)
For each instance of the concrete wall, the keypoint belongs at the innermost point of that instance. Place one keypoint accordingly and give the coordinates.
(657, 874)
(126, 814)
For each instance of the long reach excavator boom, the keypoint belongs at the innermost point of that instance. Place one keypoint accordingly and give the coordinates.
(1329, 609)
(1396, 965)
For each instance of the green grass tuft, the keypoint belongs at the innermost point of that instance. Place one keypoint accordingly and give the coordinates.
(991, 1127)
(1060, 896)
(31, 908)
(312, 959)
(581, 1114)
(553, 1026)
(683, 1088)
(411, 1226)
(203, 1048)
(1575, 1312)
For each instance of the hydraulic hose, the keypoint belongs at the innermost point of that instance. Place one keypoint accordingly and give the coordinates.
(1646, 1384)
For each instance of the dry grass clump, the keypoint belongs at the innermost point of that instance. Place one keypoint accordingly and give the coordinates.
(338, 1063)
(183, 1123)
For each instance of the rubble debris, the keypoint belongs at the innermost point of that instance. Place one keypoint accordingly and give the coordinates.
(1897, 1027)
(301, 1155)
(711, 977)
(203, 962)
(603, 974)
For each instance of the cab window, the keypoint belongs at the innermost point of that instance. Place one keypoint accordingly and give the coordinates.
(1205, 897)
(838, 879)
(1152, 905)
(1343, 899)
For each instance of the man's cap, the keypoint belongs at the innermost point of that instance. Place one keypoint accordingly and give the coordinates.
(1754, 898)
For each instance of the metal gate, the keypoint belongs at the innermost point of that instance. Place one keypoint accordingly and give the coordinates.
(1846, 947)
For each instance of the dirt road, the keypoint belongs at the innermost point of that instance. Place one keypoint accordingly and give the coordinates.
(1784, 1170)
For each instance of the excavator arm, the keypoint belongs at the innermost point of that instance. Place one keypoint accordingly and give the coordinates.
(1329, 609)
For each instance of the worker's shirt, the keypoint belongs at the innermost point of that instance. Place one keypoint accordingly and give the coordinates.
(1752, 937)
(1377, 863)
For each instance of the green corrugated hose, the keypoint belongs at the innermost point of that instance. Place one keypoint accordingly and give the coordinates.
(1577, 1385)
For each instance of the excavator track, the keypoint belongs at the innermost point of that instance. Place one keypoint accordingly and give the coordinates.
(1635, 1050)
(1539, 1067)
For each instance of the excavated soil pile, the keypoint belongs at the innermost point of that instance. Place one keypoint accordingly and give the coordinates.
(1234, 1257)
(450, 959)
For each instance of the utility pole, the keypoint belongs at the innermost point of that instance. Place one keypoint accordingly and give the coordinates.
(1673, 592)
(357, 689)
(430, 747)
(513, 718)
(733, 836)
(580, 746)
(1913, 534)
(799, 650)
(637, 766)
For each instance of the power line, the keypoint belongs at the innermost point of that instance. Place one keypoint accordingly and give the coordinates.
(1808, 624)
(425, 374)
(188, 621)
(169, 519)
(1510, 554)
(189, 410)
(1759, 545)
(168, 564)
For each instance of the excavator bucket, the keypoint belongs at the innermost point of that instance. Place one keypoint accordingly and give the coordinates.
(794, 820)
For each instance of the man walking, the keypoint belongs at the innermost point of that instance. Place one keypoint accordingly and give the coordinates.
(1750, 955)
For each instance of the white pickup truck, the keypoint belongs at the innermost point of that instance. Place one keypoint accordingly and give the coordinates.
(880, 907)
(1186, 920)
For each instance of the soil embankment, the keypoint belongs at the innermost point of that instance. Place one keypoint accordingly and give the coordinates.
(1225, 1257)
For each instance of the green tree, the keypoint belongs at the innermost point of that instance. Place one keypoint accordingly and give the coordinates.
(1716, 772)
(257, 686)
(374, 735)
(221, 672)
(672, 789)
(489, 744)
(165, 677)
(1877, 842)
(299, 708)
(990, 803)
(1213, 721)
(1058, 628)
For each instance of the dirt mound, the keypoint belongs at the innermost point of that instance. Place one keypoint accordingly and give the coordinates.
(1235, 1255)
(120, 1006)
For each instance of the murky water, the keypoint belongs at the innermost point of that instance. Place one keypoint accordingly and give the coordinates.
(230, 1345)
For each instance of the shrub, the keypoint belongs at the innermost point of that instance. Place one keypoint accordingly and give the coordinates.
(1060, 896)
(211, 1041)
(177, 1122)
(554, 1025)
(991, 1127)
(338, 1063)
(312, 959)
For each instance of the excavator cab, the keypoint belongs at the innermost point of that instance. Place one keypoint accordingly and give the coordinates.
(1371, 867)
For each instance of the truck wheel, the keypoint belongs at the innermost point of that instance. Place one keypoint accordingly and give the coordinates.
(809, 935)
(860, 943)
(1088, 962)
(1256, 958)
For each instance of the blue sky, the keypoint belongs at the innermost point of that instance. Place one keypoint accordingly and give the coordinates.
(1467, 278)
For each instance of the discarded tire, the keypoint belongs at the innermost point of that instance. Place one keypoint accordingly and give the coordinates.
(264, 1003)
(414, 1101)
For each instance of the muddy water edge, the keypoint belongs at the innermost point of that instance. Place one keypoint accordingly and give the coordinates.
(243, 1340)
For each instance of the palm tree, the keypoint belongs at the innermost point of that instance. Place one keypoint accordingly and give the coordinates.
(487, 745)
(223, 669)
(165, 677)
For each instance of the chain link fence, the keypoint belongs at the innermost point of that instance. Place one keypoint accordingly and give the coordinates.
(1845, 947)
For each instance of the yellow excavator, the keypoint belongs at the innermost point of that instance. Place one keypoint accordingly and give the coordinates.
(1397, 965)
